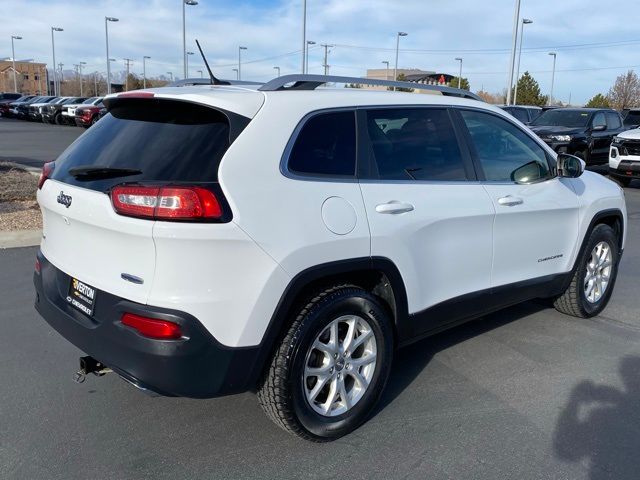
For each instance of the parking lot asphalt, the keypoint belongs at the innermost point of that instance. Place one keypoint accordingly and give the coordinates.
(525, 393)
(33, 143)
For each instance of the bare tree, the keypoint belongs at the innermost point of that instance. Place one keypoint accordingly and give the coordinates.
(625, 92)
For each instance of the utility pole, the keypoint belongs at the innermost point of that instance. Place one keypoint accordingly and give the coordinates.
(95, 84)
(127, 62)
(144, 70)
(76, 67)
(13, 60)
(512, 61)
(304, 34)
(326, 54)
(80, 67)
(60, 80)
(553, 76)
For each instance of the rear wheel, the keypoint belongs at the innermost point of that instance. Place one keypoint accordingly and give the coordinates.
(595, 276)
(58, 119)
(331, 367)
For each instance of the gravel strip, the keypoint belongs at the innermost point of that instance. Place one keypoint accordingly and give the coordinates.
(18, 207)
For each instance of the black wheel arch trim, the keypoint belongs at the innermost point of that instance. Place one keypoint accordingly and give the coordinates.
(296, 287)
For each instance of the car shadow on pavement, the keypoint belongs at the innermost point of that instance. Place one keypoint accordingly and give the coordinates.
(410, 361)
(600, 426)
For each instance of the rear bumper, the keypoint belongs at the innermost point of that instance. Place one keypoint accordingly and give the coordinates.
(194, 366)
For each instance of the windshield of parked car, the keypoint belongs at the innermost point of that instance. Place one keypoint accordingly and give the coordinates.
(562, 118)
(632, 119)
(89, 100)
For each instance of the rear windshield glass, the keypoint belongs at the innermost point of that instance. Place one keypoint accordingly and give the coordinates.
(168, 141)
(562, 118)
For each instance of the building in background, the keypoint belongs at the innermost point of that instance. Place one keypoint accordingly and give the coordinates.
(31, 77)
(412, 75)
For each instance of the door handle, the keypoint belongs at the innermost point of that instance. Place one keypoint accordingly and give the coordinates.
(394, 208)
(510, 201)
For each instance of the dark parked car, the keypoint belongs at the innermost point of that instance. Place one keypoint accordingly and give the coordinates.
(13, 106)
(10, 96)
(5, 104)
(525, 113)
(584, 132)
(22, 109)
(52, 113)
(36, 108)
(88, 115)
(631, 118)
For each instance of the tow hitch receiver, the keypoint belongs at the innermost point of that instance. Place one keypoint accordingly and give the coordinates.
(90, 365)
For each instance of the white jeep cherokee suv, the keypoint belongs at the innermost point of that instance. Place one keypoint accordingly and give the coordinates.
(286, 239)
(624, 157)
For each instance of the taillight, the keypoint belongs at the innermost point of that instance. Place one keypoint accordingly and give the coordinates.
(166, 203)
(47, 170)
(152, 327)
(37, 266)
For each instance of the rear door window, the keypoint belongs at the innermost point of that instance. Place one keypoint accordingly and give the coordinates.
(413, 144)
(168, 141)
(326, 146)
(613, 121)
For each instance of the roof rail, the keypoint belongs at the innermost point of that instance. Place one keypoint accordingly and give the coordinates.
(187, 82)
(311, 82)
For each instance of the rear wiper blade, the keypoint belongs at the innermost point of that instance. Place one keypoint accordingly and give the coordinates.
(92, 172)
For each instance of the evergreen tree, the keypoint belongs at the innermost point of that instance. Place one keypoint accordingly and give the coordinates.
(598, 101)
(529, 91)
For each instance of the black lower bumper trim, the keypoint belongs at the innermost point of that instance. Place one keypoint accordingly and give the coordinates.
(194, 366)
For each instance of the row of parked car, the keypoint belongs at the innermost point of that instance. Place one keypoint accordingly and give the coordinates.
(80, 111)
(597, 135)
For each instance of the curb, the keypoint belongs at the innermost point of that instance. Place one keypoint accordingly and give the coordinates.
(20, 238)
(32, 170)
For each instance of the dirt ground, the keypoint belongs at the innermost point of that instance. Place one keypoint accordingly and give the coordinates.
(18, 207)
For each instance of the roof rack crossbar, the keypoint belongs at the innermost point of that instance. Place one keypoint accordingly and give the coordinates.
(311, 82)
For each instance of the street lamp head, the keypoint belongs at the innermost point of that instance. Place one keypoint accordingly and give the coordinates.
(526, 21)
(553, 53)
(16, 37)
(190, 2)
(83, 63)
(112, 19)
(112, 59)
(402, 34)
(147, 57)
(242, 48)
(190, 53)
(458, 59)
(57, 29)
(311, 42)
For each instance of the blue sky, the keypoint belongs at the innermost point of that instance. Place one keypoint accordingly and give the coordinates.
(362, 30)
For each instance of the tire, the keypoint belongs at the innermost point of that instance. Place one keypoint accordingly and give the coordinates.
(94, 120)
(286, 386)
(575, 301)
(58, 119)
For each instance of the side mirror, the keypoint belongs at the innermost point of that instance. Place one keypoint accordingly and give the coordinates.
(599, 128)
(570, 166)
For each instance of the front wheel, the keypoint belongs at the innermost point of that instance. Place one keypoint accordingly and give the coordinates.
(331, 368)
(595, 275)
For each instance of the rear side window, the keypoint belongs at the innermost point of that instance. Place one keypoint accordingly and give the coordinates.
(613, 121)
(326, 145)
(413, 144)
(168, 141)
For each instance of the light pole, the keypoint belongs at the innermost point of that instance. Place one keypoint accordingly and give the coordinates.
(304, 34)
(240, 62)
(386, 75)
(553, 76)
(60, 79)
(144, 70)
(184, 33)
(106, 34)
(237, 74)
(326, 57)
(459, 59)
(278, 69)
(512, 61)
(200, 72)
(80, 69)
(170, 75)
(525, 21)
(13, 59)
(188, 53)
(306, 66)
(395, 70)
(53, 48)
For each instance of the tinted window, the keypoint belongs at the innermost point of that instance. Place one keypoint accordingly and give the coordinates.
(613, 121)
(598, 120)
(506, 153)
(326, 145)
(519, 113)
(632, 119)
(562, 118)
(413, 144)
(534, 113)
(168, 141)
